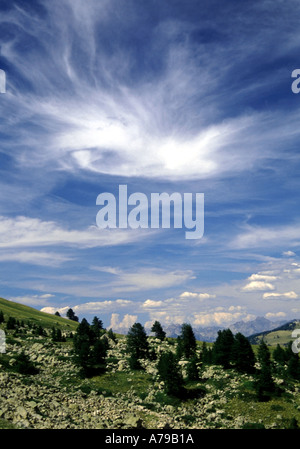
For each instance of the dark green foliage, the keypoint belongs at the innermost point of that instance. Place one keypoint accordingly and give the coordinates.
(90, 352)
(56, 335)
(137, 345)
(223, 347)
(186, 342)
(1, 317)
(57, 314)
(206, 354)
(169, 372)
(293, 424)
(279, 355)
(11, 323)
(96, 327)
(263, 354)
(158, 330)
(293, 366)
(111, 335)
(39, 330)
(24, 365)
(242, 354)
(265, 385)
(192, 368)
(71, 315)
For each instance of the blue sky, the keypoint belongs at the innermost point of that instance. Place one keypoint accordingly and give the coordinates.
(162, 96)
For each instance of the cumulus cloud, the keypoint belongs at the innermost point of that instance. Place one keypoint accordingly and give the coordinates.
(221, 318)
(255, 286)
(271, 315)
(125, 323)
(199, 296)
(262, 277)
(152, 304)
(61, 310)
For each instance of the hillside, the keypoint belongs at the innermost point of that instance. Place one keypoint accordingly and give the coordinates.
(281, 335)
(51, 392)
(30, 315)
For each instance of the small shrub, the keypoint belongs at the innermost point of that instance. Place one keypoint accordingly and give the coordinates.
(24, 365)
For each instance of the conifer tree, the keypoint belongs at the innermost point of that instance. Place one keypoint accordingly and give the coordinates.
(279, 355)
(158, 330)
(192, 368)
(96, 327)
(223, 347)
(90, 353)
(71, 315)
(186, 342)
(242, 355)
(206, 354)
(293, 362)
(169, 372)
(265, 385)
(137, 345)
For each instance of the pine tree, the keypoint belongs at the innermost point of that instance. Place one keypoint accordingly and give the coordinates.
(192, 368)
(1, 317)
(11, 323)
(159, 332)
(263, 354)
(293, 362)
(82, 345)
(98, 354)
(223, 347)
(242, 354)
(96, 327)
(265, 385)
(279, 355)
(206, 355)
(186, 343)
(169, 372)
(71, 315)
(111, 335)
(137, 345)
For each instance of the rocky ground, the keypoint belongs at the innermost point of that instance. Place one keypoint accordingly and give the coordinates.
(56, 397)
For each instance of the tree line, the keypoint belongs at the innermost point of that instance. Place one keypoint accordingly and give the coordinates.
(229, 351)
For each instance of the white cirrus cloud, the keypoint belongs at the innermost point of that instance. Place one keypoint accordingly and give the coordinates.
(24, 231)
(287, 295)
(35, 258)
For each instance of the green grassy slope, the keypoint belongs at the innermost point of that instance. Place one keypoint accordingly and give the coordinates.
(29, 314)
(282, 335)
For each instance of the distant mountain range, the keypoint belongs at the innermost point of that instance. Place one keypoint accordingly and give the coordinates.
(209, 334)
